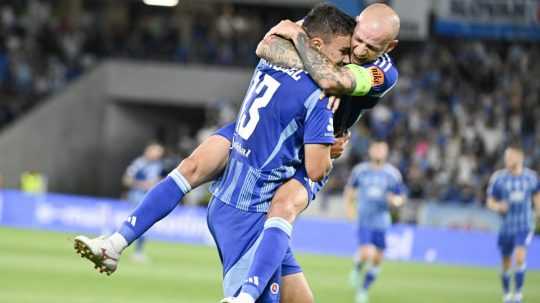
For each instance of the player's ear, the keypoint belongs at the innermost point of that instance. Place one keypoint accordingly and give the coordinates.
(317, 42)
(391, 46)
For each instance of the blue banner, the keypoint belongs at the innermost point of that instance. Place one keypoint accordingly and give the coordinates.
(91, 215)
(351, 7)
(492, 19)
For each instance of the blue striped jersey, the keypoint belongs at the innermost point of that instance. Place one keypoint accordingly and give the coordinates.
(281, 112)
(517, 191)
(372, 185)
(351, 108)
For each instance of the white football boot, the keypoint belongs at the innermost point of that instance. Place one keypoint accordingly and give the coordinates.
(361, 297)
(99, 251)
(508, 298)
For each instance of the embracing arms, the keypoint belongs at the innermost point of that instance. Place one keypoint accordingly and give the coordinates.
(297, 52)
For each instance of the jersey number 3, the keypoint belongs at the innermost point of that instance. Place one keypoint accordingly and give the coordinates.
(250, 118)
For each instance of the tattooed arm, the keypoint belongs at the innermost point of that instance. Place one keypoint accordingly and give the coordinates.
(333, 79)
(279, 51)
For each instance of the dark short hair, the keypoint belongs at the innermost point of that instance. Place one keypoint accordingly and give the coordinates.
(327, 21)
(516, 145)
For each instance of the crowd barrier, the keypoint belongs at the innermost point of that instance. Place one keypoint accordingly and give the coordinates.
(90, 215)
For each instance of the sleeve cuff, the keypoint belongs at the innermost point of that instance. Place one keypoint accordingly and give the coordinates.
(363, 80)
(321, 141)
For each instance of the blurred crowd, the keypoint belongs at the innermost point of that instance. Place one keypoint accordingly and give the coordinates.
(45, 44)
(456, 104)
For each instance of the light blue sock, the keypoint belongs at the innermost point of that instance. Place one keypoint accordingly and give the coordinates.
(268, 256)
(519, 278)
(158, 203)
(370, 277)
(505, 279)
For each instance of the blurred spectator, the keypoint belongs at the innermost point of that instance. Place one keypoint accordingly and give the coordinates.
(448, 119)
(140, 176)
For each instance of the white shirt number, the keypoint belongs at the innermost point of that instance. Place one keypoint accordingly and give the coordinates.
(246, 128)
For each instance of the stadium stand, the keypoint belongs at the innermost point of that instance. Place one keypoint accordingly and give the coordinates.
(456, 104)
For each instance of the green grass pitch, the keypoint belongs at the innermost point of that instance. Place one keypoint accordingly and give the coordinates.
(42, 267)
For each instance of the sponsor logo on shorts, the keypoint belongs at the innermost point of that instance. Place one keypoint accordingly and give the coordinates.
(274, 288)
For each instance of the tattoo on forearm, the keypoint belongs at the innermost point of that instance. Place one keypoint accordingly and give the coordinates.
(322, 70)
(280, 51)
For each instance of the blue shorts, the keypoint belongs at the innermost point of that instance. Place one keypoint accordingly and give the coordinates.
(313, 188)
(227, 132)
(237, 235)
(507, 243)
(371, 236)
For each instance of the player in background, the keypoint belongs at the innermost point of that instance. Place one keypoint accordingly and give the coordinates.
(511, 192)
(140, 176)
(374, 186)
(208, 160)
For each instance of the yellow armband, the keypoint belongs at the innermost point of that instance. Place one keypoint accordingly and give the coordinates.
(363, 79)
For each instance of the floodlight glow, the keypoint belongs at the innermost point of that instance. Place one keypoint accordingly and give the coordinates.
(161, 2)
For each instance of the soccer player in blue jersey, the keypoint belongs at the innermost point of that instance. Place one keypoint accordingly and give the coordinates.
(283, 131)
(374, 186)
(140, 176)
(209, 158)
(511, 192)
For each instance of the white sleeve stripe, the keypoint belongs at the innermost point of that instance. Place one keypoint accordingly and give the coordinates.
(382, 63)
(387, 67)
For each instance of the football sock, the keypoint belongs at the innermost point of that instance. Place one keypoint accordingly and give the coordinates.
(519, 278)
(158, 202)
(268, 256)
(371, 276)
(505, 279)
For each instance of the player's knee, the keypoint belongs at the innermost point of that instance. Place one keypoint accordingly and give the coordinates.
(377, 260)
(520, 258)
(308, 298)
(283, 207)
(189, 169)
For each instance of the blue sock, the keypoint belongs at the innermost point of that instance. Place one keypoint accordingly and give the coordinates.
(370, 277)
(505, 278)
(519, 278)
(157, 203)
(268, 256)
